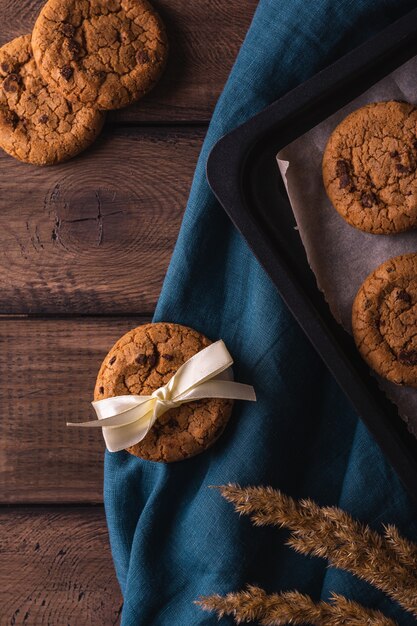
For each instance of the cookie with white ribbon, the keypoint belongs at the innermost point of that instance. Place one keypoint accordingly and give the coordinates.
(144, 360)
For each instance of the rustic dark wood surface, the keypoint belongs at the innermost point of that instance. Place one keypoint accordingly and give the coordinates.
(83, 250)
(51, 366)
(56, 569)
(95, 235)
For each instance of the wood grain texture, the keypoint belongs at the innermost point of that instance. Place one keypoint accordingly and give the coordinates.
(205, 36)
(56, 568)
(94, 235)
(48, 370)
(89, 237)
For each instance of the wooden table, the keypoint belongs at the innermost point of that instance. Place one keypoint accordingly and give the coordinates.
(84, 247)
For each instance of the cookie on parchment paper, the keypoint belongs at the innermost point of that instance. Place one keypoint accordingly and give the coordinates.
(37, 124)
(101, 53)
(384, 320)
(370, 167)
(143, 360)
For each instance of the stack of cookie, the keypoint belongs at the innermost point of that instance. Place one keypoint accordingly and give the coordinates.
(370, 175)
(84, 57)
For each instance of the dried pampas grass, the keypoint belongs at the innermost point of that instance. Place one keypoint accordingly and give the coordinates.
(291, 607)
(386, 560)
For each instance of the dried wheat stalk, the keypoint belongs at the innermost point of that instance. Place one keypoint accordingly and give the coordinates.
(388, 562)
(405, 550)
(291, 607)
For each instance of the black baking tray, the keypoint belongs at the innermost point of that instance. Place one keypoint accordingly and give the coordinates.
(243, 173)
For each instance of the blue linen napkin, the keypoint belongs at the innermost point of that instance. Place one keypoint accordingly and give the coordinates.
(172, 538)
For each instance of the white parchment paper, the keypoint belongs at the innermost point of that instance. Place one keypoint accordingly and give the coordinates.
(341, 256)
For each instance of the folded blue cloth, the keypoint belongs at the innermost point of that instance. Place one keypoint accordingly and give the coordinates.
(173, 539)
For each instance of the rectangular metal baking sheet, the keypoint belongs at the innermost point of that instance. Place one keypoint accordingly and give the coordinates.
(341, 256)
(243, 173)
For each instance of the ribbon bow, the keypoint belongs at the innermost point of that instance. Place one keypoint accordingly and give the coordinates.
(126, 420)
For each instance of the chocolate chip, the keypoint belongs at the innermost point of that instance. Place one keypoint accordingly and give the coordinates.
(344, 181)
(403, 168)
(43, 119)
(142, 57)
(143, 358)
(151, 360)
(167, 357)
(6, 68)
(390, 269)
(10, 117)
(74, 48)
(342, 167)
(112, 360)
(101, 390)
(415, 144)
(67, 30)
(404, 296)
(343, 172)
(368, 199)
(408, 357)
(11, 83)
(67, 72)
(13, 119)
(394, 154)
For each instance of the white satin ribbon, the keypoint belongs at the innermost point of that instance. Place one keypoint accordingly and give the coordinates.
(126, 420)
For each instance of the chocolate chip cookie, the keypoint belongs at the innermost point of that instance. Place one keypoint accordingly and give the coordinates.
(145, 359)
(384, 320)
(102, 53)
(37, 124)
(370, 167)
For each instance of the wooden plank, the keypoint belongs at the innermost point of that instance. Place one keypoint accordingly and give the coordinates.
(205, 36)
(94, 235)
(48, 370)
(56, 568)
